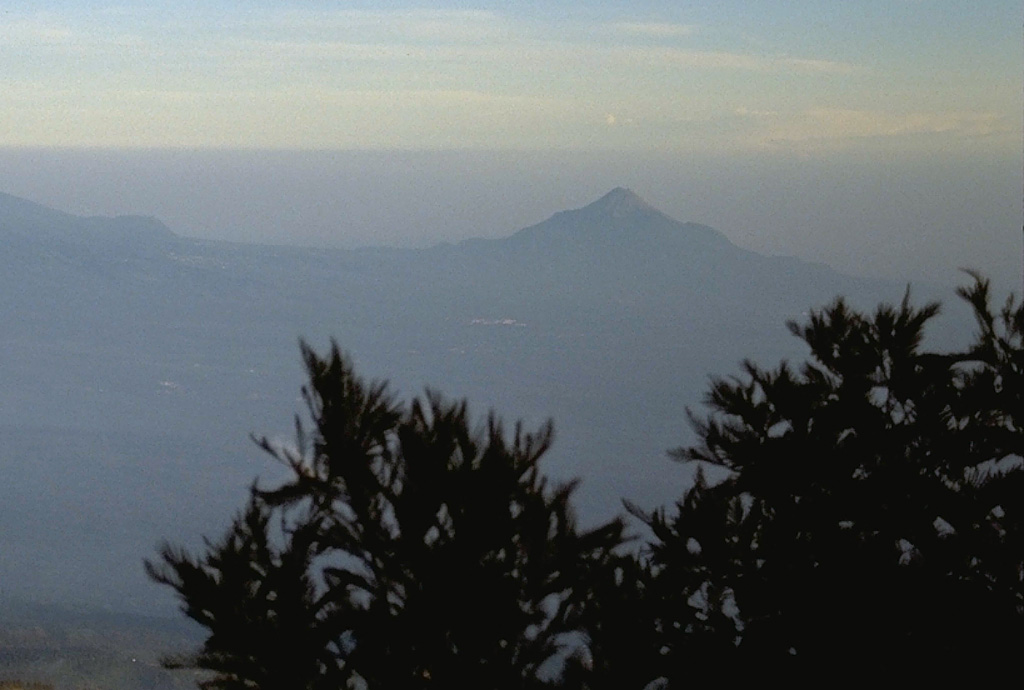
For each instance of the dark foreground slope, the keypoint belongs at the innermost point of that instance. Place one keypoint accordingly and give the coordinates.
(63, 647)
(134, 363)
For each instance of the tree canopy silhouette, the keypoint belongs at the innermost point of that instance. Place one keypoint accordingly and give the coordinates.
(862, 509)
(871, 510)
(407, 550)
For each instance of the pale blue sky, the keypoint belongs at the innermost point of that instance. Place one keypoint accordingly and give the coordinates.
(799, 75)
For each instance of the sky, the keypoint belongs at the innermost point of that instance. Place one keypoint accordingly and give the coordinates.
(408, 123)
(636, 75)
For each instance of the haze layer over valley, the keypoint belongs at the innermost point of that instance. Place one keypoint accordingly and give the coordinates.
(903, 215)
(137, 362)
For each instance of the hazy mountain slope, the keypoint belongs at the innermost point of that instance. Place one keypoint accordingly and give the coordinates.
(134, 363)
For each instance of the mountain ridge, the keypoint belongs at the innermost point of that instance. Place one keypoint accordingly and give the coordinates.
(29, 219)
(616, 211)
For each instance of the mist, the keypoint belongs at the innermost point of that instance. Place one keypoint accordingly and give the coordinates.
(907, 217)
(139, 362)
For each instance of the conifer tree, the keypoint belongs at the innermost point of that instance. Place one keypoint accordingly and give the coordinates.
(871, 506)
(407, 550)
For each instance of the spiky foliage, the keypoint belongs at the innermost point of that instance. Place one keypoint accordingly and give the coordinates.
(871, 508)
(259, 602)
(408, 550)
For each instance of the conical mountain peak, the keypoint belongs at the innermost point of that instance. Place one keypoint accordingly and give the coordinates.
(620, 221)
(621, 195)
(619, 202)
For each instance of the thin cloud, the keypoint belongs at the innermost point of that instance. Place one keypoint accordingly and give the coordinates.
(443, 26)
(288, 41)
(418, 77)
(33, 31)
(735, 61)
(806, 65)
(821, 126)
(873, 123)
(654, 29)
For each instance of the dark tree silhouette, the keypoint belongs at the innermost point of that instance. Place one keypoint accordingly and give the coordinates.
(865, 512)
(871, 510)
(407, 550)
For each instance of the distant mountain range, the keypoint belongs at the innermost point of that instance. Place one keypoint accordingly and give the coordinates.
(135, 362)
(29, 223)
